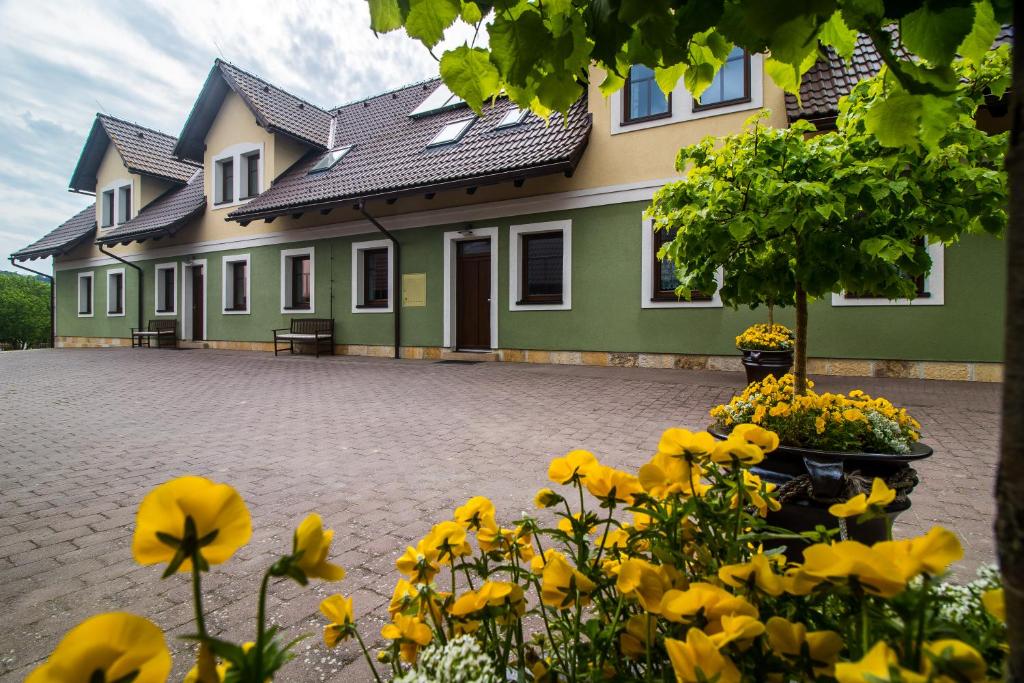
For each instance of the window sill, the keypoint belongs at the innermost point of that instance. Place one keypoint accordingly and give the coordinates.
(236, 311)
(380, 305)
(701, 108)
(546, 302)
(646, 119)
(167, 313)
(293, 309)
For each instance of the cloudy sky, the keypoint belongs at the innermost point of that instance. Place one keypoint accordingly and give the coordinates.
(145, 61)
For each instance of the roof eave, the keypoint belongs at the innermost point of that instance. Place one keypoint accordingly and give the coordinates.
(77, 182)
(26, 255)
(167, 230)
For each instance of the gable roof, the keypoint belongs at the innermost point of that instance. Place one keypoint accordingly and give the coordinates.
(143, 150)
(832, 78)
(390, 153)
(275, 110)
(64, 238)
(162, 217)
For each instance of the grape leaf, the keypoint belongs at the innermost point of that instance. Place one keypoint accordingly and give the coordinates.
(470, 75)
(935, 35)
(428, 19)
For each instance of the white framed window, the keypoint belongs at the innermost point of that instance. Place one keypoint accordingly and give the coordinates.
(115, 203)
(931, 289)
(451, 132)
(513, 117)
(298, 280)
(235, 279)
(330, 159)
(86, 294)
(683, 107)
(658, 280)
(237, 174)
(165, 289)
(372, 264)
(115, 292)
(540, 266)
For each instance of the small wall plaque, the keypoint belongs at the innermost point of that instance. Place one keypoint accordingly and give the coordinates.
(414, 290)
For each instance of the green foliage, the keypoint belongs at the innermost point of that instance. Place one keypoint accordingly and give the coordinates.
(24, 310)
(837, 211)
(542, 51)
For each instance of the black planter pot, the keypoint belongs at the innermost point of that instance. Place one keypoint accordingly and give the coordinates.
(826, 473)
(760, 364)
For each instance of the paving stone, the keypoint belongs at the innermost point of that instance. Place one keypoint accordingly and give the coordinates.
(381, 449)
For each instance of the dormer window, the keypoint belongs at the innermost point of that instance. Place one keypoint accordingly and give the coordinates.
(124, 203)
(107, 218)
(451, 132)
(328, 160)
(513, 117)
(237, 174)
(115, 203)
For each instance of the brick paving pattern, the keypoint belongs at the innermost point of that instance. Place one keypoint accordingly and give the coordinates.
(380, 448)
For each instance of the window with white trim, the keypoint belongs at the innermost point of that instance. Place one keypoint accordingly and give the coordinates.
(658, 275)
(540, 266)
(124, 203)
(235, 278)
(731, 84)
(930, 288)
(115, 203)
(107, 209)
(513, 117)
(237, 174)
(115, 292)
(85, 294)
(298, 283)
(372, 262)
(166, 288)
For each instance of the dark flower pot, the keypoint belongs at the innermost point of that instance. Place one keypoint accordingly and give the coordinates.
(760, 364)
(810, 481)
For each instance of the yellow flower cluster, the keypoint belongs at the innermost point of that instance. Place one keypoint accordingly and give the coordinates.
(841, 422)
(765, 337)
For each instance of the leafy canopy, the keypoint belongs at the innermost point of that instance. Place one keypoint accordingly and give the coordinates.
(836, 211)
(24, 310)
(540, 53)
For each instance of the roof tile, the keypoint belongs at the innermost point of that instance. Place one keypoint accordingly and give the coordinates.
(162, 217)
(145, 150)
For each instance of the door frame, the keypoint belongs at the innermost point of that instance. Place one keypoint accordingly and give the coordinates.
(186, 298)
(450, 240)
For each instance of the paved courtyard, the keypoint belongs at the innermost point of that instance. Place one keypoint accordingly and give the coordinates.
(381, 449)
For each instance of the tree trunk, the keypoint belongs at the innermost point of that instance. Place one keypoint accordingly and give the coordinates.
(771, 317)
(800, 361)
(1010, 482)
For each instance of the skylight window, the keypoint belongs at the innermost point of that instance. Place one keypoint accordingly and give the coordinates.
(328, 160)
(452, 132)
(513, 117)
(440, 99)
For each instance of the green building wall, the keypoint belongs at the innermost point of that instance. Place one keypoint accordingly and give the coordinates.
(606, 314)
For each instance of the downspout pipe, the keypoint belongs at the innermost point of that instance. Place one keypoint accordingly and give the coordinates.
(395, 277)
(53, 296)
(137, 270)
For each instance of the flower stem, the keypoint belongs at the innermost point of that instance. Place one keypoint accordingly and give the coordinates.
(197, 596)
(366, 653)
(205, 662)
(261, 612)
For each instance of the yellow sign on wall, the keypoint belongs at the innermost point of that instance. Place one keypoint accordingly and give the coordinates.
(414, 289)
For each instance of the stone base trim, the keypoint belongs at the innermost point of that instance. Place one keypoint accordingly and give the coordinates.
(842, 367)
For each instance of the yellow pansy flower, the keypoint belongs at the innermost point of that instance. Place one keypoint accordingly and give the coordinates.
(707, 600)
(737, 451)
(420, 564)
(314, 542)
(879, 665)
(546, 498)
(403, 594)
(448, 539)
(562, 585)
(571, 467)
(107, 647)
(954, 660)
(757, 573)
(477, 512)
(646, 582)
(610, 484)
(737, 628)
(698, 659)
(186, 513)
(846, 560)
(410, 632)
(686, 445)
(538, 562)
(881, 495)
(767, 440)
(995, 603)
(668, 474)
(635, 638)
(338, 610)
(789, 639)
(752, 486)
(929, 554)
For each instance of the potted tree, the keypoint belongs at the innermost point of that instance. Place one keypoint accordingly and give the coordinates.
(790, 216)
(767, 349)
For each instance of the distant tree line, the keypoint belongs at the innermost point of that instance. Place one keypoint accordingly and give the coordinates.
(24, 311)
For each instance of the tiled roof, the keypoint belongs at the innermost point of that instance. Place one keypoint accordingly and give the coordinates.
(390, 153)
(143, 150)
(276, 110)
(65, 237)
(163, 216)
(831, 78)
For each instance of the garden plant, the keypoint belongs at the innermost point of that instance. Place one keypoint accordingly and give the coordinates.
(661, 575)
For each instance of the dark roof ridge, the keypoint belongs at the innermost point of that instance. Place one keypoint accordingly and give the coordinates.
(104, 115)
(417, 84)
(219, 62)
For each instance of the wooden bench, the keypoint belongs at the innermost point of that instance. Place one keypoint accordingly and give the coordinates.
(165, 332)
(316, 331)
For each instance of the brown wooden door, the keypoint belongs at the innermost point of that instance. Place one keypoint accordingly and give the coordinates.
(473, 295)
(198, 332)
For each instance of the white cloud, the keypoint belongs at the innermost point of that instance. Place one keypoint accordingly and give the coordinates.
(146, 61)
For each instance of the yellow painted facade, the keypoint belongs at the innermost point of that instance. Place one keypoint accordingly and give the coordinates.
(112, 170)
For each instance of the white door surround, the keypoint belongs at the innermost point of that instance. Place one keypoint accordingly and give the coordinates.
(450, 239)
(186, 299)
